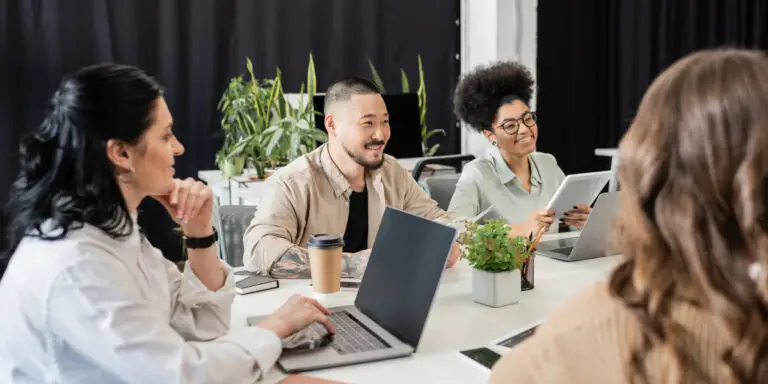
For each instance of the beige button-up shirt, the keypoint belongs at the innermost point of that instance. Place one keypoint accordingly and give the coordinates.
(311, 196)
(487, 182)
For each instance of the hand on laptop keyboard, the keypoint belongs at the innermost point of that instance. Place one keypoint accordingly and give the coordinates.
(296, 314)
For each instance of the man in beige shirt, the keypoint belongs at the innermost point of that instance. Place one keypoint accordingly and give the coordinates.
(340, 188)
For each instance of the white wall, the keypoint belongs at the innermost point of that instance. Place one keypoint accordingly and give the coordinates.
(493, 30)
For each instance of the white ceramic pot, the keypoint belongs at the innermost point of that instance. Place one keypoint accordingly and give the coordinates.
(497, 289)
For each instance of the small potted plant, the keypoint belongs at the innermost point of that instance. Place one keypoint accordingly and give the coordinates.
(496, 260)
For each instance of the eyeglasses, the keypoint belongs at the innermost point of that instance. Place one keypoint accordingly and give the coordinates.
(512, 126)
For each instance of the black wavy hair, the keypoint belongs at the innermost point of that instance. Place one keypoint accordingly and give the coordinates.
(65, 175)
(482, 91)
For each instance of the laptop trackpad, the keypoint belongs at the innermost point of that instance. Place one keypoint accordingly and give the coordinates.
(559, 246)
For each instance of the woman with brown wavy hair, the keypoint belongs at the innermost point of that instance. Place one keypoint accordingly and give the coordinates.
(689, 302)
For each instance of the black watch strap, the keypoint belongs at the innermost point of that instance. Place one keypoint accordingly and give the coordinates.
(201, 242)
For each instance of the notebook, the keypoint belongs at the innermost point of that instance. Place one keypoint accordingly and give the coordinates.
(248, 282)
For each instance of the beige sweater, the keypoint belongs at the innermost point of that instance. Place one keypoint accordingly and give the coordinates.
(588, 341)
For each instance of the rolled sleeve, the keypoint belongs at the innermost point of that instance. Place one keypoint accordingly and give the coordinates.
(273, 230)
(263, 345)
(194, 293)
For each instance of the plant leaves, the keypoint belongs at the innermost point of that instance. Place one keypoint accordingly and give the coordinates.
(311, 79)
(293, 151)
(376, 77)
(432, 151)
(488, 247)
(432, 133)
(274, 141)
(404, 81)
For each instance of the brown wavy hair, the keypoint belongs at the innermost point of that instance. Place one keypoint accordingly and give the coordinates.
(694, 212)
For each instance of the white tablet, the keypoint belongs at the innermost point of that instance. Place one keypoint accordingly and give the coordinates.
(581, 188)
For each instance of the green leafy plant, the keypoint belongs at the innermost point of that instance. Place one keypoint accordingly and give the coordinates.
(292, 132)
(421, 93)
(488, 247)
(261, 128)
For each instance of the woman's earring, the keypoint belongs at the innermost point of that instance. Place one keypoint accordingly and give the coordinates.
(493, 143)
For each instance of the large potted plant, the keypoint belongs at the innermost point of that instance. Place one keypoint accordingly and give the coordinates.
(291, 131)
(262, 130)
(496, 260)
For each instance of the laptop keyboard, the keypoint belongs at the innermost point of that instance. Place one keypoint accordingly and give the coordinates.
(351, 336)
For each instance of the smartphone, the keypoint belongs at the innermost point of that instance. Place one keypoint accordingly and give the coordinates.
(482, 356)
(347, 284)
(518, 338)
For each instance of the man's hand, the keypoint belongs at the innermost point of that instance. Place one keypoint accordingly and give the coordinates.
(578, 216)
(455, 255)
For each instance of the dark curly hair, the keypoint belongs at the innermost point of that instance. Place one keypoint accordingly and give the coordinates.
(482, 91)
(65, 175)
(694, 215)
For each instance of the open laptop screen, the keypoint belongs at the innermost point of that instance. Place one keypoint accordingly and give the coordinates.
(403, 273)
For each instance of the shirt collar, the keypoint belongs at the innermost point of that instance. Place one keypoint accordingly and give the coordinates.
(505, 173)
(339, 182)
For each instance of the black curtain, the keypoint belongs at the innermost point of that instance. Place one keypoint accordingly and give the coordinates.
(597, 57)
(193, 47)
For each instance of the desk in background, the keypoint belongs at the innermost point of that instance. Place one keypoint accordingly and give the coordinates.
(613, 153)
(455, 322)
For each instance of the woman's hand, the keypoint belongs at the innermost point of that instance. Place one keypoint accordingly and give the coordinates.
(455, 255)
(296, 314)
(578, 216)
(538, 220)
(190, 203)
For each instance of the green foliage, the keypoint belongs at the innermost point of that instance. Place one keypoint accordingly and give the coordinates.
(488, 247)
(261, 126)
(426, 134)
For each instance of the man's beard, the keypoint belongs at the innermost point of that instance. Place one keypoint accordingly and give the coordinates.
(359, 159)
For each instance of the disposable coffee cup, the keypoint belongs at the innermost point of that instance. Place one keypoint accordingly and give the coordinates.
(325, 263)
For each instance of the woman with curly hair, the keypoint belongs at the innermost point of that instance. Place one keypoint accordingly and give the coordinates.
(689, 303)
(512, 177)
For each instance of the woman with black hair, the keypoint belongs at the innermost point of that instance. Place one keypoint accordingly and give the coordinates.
(85, 297)
(512, 179)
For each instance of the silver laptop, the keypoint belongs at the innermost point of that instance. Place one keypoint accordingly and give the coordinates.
(594, 240)
(394, 299)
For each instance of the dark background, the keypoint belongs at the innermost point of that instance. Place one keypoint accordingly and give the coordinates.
(595, 60)
(193, 48)
(597, 57)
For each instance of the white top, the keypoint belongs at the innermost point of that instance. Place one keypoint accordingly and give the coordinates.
(89, 308)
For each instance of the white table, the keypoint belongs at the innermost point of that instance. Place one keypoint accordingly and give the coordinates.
(613, 153)
(455, 323)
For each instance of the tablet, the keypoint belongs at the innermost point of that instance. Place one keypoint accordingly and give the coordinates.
(577, 189)
(484, 356)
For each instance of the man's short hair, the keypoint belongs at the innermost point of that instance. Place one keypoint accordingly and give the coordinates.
(343, 90)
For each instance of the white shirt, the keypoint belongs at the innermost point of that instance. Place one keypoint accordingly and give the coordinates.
(92, 309)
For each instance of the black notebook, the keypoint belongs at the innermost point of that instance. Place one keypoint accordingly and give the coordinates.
(247, 282)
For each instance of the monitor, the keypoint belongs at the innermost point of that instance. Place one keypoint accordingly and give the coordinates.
(405, 138)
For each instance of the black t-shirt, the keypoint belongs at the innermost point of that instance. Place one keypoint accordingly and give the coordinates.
(356, 234)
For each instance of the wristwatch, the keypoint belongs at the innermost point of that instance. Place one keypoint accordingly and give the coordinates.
(201, 242)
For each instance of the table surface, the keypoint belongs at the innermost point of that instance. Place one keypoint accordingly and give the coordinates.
(455, 322)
